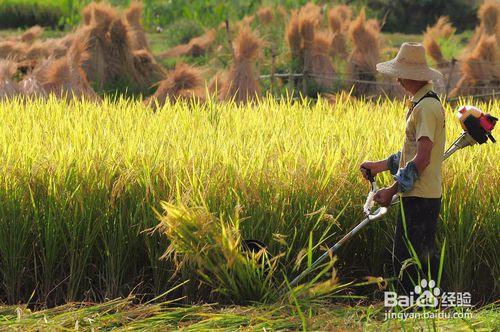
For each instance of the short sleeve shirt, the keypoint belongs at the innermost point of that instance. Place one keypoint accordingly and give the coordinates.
(426, 119)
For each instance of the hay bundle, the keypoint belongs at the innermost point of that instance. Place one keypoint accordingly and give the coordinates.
(31, 85)
(320, 66)
(87, 13)
(339, 18)
(147, 68)
(119, 57)
(338, 45)
(184, 82)
(433, 49)
(133, 15)
(241, 83)
(480, 69)
(489, 14)
(8, 87)
(292, 35)
(307, 26)
(65, 77)
(39, 50)
(265, 15)
(197, 46)
(312, 10)
(96, 33)
(364, 55)
(442, 29)
(10, 49)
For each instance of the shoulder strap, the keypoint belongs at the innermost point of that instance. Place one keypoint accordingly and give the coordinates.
(430, 94)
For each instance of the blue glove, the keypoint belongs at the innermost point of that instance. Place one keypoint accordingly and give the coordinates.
(393, 162)
(406, 177)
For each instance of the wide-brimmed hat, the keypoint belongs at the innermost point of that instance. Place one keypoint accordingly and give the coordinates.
(410, 63)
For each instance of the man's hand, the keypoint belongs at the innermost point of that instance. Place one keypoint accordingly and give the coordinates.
(384, 195)
(374, 167)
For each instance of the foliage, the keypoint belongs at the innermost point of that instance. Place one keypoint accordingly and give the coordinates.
(25, 14)
(79, 183)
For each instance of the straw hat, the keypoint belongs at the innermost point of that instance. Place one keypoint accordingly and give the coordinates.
(410, 63)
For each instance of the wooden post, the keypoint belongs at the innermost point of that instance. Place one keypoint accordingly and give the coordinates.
(273, 68)
(229, 41)
(450, 75)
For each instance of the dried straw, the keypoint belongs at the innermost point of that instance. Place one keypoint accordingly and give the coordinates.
(197, 46)
(320, 65)
(133, 15)
(8, 87)
(65, 77)
(118, 56)
(480, 68)
(489, 14)
(292, 35)
(241, 83)
(10, 49)
(339, 18)
(365, 53)
(184, 82)
(265, 15)
(147, 68)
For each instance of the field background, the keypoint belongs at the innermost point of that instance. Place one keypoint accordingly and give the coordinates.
(82, 186)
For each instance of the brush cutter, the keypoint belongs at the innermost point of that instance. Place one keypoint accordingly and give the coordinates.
(477, 128)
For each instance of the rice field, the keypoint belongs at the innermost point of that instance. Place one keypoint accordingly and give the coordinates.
(85, 187)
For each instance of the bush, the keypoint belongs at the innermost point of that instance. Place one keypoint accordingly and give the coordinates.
(24, 14)
(409, 16)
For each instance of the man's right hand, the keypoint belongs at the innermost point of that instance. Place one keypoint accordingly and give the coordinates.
(374, 167)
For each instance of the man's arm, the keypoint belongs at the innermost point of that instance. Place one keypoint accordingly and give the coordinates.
(420, 162)
(390, 164)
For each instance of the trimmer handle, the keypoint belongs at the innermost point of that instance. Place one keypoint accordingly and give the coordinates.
(371, 178)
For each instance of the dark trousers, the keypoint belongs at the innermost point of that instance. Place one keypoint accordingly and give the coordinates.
(421, 216)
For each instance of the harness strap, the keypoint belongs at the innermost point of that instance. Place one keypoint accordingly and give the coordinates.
(430, 94)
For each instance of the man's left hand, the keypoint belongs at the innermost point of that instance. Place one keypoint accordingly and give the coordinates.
(384, 195)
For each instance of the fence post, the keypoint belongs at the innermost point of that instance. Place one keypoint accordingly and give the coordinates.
(273, 69)
(450, 75)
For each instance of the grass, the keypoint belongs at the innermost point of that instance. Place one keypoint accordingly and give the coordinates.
(124, 314)
(80, 183)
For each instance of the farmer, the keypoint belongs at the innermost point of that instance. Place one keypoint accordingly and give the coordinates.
(417, 167)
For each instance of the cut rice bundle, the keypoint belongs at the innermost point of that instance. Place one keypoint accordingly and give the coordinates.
(184, 82)
(65, 78)
(10, 49)
(364, 55)
(133, 16)
(489, 14)
(265, 15)
(480, 69)
(197, 46)
(241, 84)
(8, 87)
(339, 18)
(320, 65)
(292, 35)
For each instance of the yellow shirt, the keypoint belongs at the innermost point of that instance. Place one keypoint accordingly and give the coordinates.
(426, 119)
